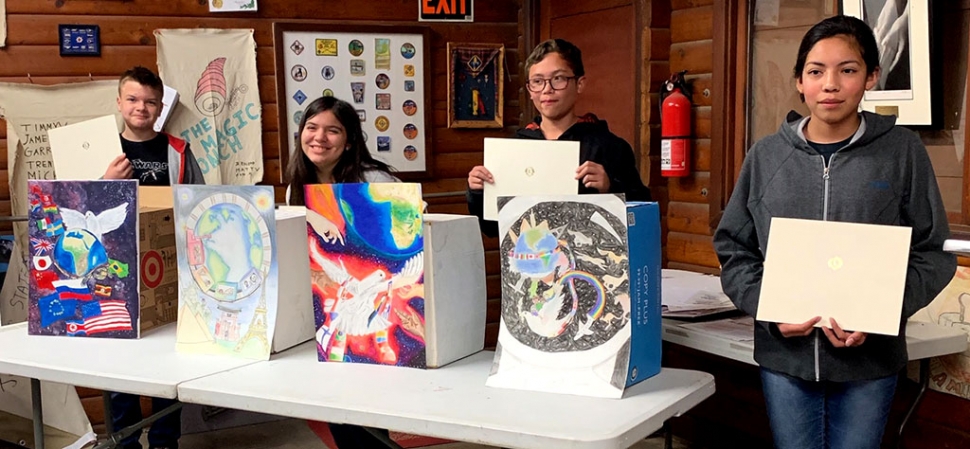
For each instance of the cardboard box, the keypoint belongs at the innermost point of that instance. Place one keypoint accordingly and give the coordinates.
(454, 288)
(158, 276)
(643, 227)
(581, 296)
(294, 319)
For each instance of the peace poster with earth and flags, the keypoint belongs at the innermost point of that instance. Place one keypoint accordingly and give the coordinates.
(84, 258)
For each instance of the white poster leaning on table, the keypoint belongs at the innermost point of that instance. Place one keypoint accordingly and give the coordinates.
(580, 294)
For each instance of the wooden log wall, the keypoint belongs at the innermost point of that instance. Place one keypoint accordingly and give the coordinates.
(127, 39)
(688, 233)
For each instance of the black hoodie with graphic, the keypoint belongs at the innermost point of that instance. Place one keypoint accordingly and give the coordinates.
(597, 144)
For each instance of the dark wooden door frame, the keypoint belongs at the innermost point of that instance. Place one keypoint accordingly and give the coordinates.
(729, 101)
(533, 30)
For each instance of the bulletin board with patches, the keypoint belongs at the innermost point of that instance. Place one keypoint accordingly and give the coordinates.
(382, 71)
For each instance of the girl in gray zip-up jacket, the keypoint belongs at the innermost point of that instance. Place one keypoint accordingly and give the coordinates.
(880, 174)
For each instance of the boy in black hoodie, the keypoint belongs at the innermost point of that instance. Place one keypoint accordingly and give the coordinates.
(606, 162)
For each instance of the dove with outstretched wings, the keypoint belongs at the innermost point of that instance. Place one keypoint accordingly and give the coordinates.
(97, 225)
(410, 274)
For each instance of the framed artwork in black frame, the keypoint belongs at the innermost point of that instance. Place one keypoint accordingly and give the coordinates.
(476, 82)
(79, 40)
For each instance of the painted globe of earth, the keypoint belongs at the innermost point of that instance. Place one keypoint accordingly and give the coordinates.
(388, 224)
(233, 242)
(78, 252)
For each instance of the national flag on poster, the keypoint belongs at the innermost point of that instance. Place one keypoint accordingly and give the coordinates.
(52, 309)
(45, 279)
(105, 316)
(53, 228)
(42, 263)
(41, 246)
(102, 290)
(75, 328)
(72, 289)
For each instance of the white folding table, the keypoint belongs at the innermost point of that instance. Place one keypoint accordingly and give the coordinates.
(923, 341)
(451, 402)
(147, 366)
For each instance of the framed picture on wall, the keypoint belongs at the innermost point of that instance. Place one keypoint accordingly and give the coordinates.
(382, 71)
(902, 29)
(475, 85)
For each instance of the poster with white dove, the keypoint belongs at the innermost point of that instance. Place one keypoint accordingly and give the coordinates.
(84, 258)
(367, 272)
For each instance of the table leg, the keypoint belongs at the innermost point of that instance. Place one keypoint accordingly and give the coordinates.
(38, 408)
(114, 439)
(668, 436)
(383, 438)
(108, 421)
(924, 383)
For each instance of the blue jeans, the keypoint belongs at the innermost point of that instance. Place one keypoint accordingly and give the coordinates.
(836, 415)
(126, 411)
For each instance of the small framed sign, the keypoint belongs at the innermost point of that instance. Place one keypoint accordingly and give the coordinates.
(80, 40)
(446, 11)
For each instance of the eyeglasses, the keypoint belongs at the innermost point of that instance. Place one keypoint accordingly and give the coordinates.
(558, 82)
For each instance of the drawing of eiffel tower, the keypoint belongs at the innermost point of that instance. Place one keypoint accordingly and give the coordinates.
(257, 327)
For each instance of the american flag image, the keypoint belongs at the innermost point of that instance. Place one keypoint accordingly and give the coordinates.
(104, 316)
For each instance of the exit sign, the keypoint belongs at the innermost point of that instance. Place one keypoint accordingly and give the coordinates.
(445, 11)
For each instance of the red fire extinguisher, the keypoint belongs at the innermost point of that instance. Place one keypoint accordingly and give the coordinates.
(675, 127)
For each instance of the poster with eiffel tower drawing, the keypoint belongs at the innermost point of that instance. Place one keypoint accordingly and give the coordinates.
(228, 270)
(367, 272)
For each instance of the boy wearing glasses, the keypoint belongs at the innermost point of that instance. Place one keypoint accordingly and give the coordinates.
(606, 161)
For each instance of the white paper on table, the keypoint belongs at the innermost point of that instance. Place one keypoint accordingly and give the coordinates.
(733, 329)
(170, 99)
(685, 290)
(528, 167)
(854, 273)
(83, 150)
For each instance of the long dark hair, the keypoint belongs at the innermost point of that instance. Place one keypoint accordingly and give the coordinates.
(354, 162)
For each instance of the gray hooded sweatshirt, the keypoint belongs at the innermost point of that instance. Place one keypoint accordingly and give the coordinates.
(883, 176)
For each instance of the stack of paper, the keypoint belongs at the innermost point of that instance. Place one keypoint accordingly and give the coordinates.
(738, 330)
(170, 99)
(690, 295)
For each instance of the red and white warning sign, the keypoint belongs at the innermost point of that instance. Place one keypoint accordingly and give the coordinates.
(152, 269)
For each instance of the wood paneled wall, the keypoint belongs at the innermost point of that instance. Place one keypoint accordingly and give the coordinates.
(127, 40)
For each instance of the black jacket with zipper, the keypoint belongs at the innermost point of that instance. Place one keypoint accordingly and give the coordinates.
(597, 144)
(883, 176)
